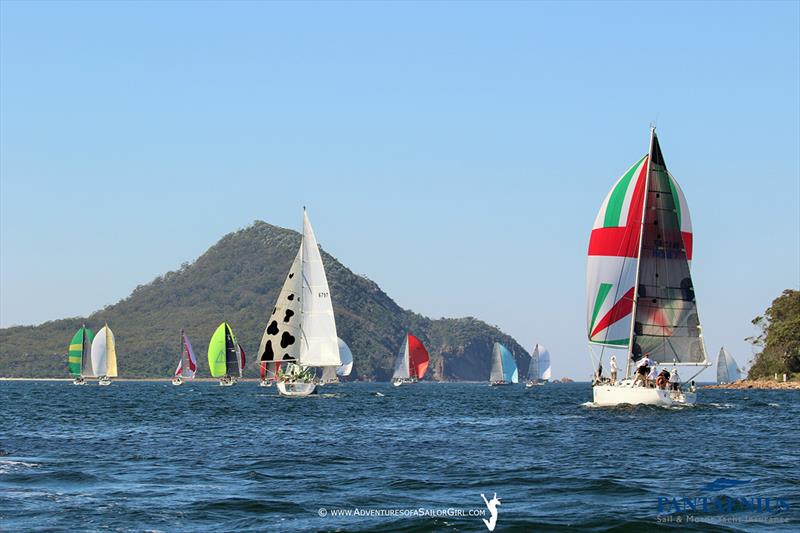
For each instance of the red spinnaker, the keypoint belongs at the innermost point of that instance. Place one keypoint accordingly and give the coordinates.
(417, 357)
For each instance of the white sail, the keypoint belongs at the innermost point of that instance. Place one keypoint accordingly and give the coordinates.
(727, 369)
(545, 370)
(329, 375)
(319, 344)
(533, 366)
(347, 359)
(281, 338)
(104, 355)
(401, 364)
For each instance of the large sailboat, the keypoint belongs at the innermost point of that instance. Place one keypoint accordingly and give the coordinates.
(504, 367)
(301, 331)
(79, 358)
(331, 374)
(411, 362)
(727, 369)
(189, 368)
(104, 356)
(224, 357)
(539, 369)
(640, 295)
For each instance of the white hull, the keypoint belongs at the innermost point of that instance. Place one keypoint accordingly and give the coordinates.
(104, 382)
(226, 383)
(78, 382)
(265, 383)
(500, 383)
(295, 389)
(610, 395)
(177, 382)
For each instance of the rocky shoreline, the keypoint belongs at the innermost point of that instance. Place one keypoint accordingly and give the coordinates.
(758, 384)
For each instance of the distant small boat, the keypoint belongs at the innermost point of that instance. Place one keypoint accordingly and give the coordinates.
(191, 362)
(79, 359)
(301, 332)
(539, 370)
(727, 369)
(504, 367)
(104, 356)
(331, 374)
(411, 362)
(225, 356)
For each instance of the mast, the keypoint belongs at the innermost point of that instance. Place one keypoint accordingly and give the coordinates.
(639, 252)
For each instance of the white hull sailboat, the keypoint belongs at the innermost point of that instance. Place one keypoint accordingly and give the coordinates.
(539, 369)
(411, 362)
(79, 358)
(640, 295)
(225, 356)
(504, 367)
(104, 356)
(625, 393)
(188, 370)
(301, 331)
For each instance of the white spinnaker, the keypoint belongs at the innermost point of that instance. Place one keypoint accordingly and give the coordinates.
(319, 344)
(347, 359)
(401, 366)
(103, 354)
(545, 371)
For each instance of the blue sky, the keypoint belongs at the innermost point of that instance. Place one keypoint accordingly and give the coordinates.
(455, 153)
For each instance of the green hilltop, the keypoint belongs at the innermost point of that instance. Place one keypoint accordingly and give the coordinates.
(237, 280)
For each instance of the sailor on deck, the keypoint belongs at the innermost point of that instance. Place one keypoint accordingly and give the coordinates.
(612, 363)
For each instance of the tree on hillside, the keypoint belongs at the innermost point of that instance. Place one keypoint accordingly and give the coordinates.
(779, 339)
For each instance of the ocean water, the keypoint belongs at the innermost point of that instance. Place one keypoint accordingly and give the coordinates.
(146, 456)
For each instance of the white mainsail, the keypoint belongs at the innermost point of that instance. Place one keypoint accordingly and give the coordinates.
(401, 363)
(319, 345)
(104, 353)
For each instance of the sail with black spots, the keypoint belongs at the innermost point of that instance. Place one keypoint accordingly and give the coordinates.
(280, 341)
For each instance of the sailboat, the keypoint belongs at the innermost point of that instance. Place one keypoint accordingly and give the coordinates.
(224, 356)
(504, 367)
(411, 362)
(331, 374)
(104, 356)
(539, 370)
(301, 331)
(79, 359)
(640, 295)
(191, 362)
(727, 369)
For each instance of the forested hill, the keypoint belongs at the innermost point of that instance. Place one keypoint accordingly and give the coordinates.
(237, 280)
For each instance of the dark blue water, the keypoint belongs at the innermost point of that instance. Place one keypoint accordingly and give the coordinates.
(150, 456)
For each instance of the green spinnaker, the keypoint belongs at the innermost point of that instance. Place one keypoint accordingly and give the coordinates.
(217, 349)
(79, 347)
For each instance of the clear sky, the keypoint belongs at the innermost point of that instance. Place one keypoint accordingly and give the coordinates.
(455, 153)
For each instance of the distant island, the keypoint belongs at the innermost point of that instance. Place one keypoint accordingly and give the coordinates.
(237, 280)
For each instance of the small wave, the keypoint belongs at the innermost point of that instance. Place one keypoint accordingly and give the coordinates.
(774, 404)
(13, 466)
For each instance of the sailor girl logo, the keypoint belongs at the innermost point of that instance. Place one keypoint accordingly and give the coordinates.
(492, 506)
